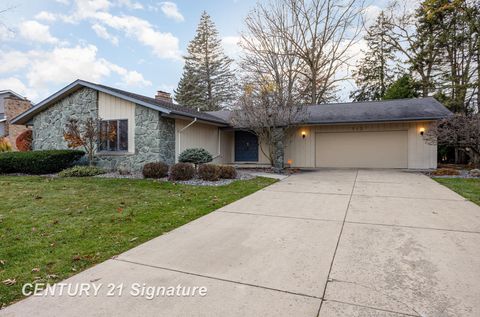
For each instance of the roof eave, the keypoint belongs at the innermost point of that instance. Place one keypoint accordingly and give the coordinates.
(26, 116)
(183, 116)
(374, 121)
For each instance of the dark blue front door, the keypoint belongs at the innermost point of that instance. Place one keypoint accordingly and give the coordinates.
(246, 147)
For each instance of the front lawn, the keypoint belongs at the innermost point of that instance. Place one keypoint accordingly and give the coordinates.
(51, 229)
(467, 187)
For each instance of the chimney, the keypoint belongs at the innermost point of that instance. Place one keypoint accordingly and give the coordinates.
(163, 96)
(13, 107)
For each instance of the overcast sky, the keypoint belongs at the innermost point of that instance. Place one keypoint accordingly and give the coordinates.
(129, 44)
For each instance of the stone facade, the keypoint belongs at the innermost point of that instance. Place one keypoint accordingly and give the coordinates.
(154, 141)
(13, 106)
(154, 134)
(49, 124)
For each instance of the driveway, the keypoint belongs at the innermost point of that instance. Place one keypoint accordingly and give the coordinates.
(327, 243)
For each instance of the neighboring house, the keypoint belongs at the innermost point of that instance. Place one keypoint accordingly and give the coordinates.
(11, 105)
(383, 134)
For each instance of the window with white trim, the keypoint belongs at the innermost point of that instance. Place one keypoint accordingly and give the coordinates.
(114, 135)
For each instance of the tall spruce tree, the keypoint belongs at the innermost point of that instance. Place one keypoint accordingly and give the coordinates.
(375, 72)
(208, 81)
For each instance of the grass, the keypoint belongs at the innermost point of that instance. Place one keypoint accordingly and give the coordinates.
(51, 229)
(467, 187)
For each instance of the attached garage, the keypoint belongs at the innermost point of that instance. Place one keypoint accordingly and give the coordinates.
(381, 134)
(375, 149)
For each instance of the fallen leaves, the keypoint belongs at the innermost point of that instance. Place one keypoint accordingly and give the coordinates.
(35, 269)
(9, 281)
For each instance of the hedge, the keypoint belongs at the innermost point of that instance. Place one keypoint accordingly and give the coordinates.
(38, 162)
(181, 172)
(209, 172)
(155, 170)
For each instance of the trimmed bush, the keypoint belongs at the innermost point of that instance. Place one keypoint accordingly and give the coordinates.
(227, 172)
(24, 141)
(195, 156)
(81, 171)
(181, 172)
(5, 146)
(155, 170)
(209, 172)
(38, 162)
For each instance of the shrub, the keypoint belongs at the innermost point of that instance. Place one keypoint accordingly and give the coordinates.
(5, 146)
(227, 172)
(155, 170)
(195, 156)
(181, 172)
(38, 162)
(445, 172)
(209, 172)
(24, 141)
(81, 171)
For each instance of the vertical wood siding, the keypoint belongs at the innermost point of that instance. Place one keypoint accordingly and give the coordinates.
(301, 151)
(200, 135)
(111, 108)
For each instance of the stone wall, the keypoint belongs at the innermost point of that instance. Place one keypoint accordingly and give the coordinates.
(13, 106)
(154, 134)
(154, 141)
(49, 124)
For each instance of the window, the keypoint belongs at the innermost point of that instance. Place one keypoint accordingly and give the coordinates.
(114, 135)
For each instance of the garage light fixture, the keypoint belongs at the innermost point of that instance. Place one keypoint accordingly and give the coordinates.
(422, 131)
(304, 134)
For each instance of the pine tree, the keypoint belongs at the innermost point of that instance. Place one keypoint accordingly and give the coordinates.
(208, 81)
(374, 72)
(403, 87)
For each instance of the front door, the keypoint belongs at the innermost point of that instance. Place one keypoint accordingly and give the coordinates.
(246, 147)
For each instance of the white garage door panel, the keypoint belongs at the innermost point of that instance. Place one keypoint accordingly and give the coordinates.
(384, 149)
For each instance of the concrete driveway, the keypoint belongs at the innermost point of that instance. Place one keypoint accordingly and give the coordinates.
(320, 243)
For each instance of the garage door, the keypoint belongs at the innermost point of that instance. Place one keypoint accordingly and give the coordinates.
(385, 149)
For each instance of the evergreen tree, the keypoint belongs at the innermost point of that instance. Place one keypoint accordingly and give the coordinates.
(457, 66)
(374, 72)
(208, 81)
(404, 87)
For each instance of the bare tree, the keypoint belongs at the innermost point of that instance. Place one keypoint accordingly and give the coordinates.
(417, 41)
(2, 23)
(460, 131)
(270, 104)
(322, 33)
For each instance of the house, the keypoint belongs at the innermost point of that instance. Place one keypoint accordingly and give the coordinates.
(382, 134)
(11, 105)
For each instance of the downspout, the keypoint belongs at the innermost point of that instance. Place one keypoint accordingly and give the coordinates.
(219, 145)
(180, 133)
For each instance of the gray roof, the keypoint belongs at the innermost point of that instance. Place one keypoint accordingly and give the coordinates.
(378, 111)
(166, 108)
(355, 112)
(415, 109)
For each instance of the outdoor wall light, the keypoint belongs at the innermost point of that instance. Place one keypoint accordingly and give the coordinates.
(304, 134)
(422, 131)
